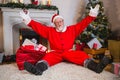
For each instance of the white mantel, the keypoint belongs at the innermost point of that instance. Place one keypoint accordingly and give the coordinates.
(11, 18)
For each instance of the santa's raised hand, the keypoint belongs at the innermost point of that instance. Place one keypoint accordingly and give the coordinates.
(24, 14)
(94, 11)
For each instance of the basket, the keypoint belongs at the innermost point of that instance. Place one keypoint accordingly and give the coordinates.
(94, 52)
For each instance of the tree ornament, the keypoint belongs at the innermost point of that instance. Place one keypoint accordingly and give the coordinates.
(35, 2)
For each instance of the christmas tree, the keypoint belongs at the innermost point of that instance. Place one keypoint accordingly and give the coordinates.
(99, 28)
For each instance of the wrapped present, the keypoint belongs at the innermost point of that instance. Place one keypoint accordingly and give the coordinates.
(116, 68)
(30, 45)
(94, 44)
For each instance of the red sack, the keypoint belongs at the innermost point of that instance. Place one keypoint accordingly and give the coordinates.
(27, 53)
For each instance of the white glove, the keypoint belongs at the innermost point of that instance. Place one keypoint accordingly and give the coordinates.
(94, 11)
(25, 16)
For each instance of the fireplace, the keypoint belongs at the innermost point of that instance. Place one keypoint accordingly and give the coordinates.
(25, 33)
(12, 23)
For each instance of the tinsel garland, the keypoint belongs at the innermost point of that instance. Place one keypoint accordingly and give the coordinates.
(29, 6)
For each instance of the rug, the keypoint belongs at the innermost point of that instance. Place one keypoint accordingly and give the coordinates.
(61, 71)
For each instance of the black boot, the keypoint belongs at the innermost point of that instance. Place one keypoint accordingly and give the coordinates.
(36, 69)
(98, 67)
(103, 63)
(90, 64)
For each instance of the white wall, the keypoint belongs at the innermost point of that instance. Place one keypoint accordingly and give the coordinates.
(69, 9)
(112, 9)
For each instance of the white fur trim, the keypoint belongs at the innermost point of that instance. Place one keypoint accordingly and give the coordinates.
(64, 29)
(58, 16)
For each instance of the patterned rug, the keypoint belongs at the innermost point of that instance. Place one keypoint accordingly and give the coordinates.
(61, 71)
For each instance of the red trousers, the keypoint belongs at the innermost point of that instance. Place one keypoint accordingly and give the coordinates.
(76, 57)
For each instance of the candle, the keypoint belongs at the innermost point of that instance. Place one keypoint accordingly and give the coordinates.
(21, 1)
(14, 1)
(43, 2)
(49, 2)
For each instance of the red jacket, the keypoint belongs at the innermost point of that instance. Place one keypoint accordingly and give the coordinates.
(61, 40)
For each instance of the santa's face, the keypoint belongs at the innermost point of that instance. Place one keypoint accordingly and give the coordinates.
(59, 24)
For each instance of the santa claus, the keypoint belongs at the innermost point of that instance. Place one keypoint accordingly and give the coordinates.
(61, 39)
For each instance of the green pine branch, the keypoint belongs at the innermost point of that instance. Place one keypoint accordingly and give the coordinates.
(29, 6)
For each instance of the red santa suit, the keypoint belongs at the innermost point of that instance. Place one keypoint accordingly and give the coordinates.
(61, 43)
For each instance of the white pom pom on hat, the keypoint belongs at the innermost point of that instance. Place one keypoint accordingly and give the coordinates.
(55, 16)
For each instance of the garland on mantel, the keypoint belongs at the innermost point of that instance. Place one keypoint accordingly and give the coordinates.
(29, 6)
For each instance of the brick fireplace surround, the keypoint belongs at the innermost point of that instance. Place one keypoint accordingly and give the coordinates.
(12, 22)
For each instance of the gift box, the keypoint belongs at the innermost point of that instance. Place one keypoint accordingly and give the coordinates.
(116, 68)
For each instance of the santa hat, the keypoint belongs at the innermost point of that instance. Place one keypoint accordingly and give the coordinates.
(55, 16)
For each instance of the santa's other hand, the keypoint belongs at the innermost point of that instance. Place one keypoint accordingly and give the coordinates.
(25, 16)
(94, 11)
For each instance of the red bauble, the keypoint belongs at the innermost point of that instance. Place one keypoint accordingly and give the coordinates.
(35, 2)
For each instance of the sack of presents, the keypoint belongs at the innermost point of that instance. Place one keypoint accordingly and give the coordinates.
(30, 51)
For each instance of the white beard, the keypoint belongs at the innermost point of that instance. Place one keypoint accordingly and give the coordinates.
(60, 29)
